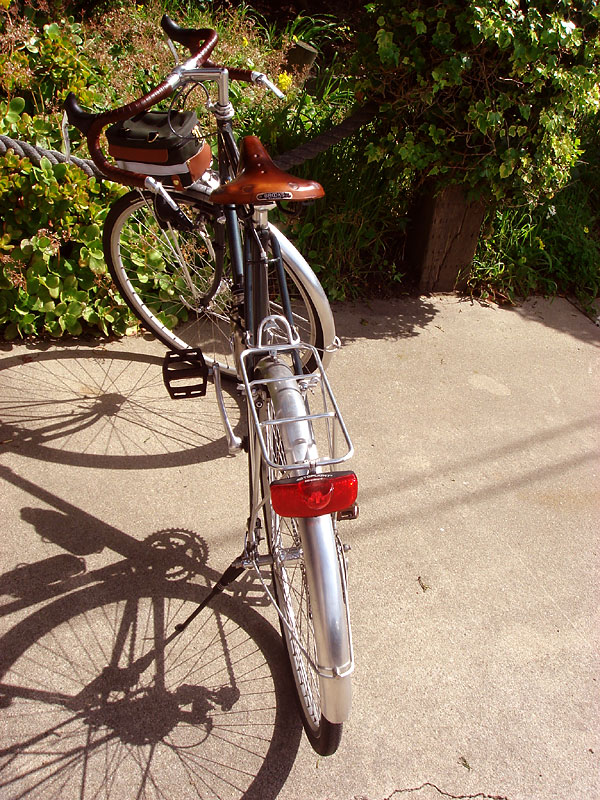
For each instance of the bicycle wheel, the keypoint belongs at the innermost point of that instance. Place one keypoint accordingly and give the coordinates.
(310, 588)
(176, 282)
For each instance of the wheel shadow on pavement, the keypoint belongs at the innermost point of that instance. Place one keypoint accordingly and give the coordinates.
(99, 694)
(109, 409)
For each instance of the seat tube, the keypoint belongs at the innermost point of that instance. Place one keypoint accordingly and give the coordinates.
(260, 266)
(248, 285)
(235, 246)
(285, 296)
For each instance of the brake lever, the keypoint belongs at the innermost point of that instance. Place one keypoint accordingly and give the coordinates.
(260, 77)
(174, 52)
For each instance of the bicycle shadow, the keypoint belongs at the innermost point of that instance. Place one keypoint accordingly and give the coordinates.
(94, 407)
(98, 691)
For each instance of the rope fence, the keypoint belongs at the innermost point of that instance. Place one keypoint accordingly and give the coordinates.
(293, 158)
(35, 154)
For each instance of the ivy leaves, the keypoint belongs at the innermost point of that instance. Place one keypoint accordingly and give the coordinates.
(52, 272)
(15, 107)
(485, 94)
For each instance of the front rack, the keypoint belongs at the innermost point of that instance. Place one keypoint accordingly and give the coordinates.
(318, 438)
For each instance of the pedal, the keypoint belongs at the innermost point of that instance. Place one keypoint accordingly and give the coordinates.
(180, 369)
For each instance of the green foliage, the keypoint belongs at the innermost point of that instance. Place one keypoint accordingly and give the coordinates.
(52, 274)
(53, 277)
(351, 236)
(487, 94)
(43, 64)
(317, 30)
(552, 249)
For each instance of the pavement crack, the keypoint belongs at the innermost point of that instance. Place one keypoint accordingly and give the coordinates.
(442, 793)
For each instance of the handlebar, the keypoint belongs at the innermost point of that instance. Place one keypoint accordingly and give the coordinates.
(193, 39)
(201, 42)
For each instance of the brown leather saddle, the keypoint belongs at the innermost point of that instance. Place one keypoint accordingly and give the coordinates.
(260, 181)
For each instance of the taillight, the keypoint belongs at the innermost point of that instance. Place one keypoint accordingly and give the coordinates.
(313, 495)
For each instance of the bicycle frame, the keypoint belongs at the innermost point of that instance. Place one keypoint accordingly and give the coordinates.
(249, 270)
(249, 273)
(291, 445)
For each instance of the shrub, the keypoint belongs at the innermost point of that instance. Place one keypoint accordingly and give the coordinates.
(487, 94)
(53, 279)
(553, 248)
(350, 237)
(43, 63)
(52, 274)
(491, 95)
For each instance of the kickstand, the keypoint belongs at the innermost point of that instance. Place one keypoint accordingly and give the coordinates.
(232, 572)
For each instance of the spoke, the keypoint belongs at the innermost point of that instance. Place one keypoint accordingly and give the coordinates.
(127, 623)
(48, 734)
(159, 642)
(146, 772)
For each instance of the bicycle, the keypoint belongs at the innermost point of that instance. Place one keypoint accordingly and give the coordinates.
(193, 254)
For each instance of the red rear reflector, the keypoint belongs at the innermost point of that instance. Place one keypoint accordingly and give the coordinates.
(313, 495)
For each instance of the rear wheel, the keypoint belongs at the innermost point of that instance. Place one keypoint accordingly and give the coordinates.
(177, 283)
(309, 584)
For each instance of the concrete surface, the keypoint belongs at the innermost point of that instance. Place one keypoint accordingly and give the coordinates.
(474, 571)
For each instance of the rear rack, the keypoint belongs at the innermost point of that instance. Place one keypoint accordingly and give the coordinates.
(308, 431)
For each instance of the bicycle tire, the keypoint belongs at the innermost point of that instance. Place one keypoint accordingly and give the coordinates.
(175, 284)
(311, 591)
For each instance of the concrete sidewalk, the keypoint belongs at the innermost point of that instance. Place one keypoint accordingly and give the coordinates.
(474, 571)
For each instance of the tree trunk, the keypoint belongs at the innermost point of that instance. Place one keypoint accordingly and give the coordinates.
(442, 239)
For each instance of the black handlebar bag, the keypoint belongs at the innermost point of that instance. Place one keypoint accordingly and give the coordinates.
(167, 145)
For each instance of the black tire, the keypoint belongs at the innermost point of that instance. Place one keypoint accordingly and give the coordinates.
(175, 282)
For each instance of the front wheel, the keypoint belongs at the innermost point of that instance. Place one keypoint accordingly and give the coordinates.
(171, 277)
(177, 281)
(309, 580)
